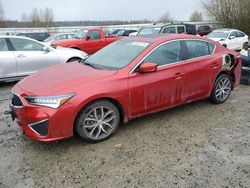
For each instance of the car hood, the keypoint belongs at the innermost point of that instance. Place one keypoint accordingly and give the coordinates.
(62, 79)
(68, 41)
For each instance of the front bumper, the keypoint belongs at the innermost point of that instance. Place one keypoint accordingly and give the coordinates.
(43, 123)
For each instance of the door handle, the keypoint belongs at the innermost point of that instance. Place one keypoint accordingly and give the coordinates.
(178, 75)
(21, 56)
(214, 65)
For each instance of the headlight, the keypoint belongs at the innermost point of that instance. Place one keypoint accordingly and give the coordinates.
(49, 101)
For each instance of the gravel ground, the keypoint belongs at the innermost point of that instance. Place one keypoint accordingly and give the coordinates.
(195, 145)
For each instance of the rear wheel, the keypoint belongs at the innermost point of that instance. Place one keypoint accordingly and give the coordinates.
(221, 90)
(98, 121)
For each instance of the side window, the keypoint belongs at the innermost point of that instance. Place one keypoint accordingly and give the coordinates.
(233, 34)
(61, 37)
(3, 45)
(181, 29)
(25, 45)
(169, 30)
(94, 35)
(166, 54)
(69, 36)
(198, 48)
(211, 47)
(240, 34)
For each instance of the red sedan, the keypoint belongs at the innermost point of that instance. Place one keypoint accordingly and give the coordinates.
(127, 79)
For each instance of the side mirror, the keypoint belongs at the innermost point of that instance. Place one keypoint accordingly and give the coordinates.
(232, 37)
(46, 49)
(88, 38)
(148, 67)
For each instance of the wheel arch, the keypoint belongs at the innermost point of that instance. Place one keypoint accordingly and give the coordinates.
(123, 115)
(75, 57)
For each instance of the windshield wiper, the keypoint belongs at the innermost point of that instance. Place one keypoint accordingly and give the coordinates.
(91, 65)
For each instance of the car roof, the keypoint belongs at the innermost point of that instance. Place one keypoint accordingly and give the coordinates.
(158, 38)
(226, 30)
(20, 37)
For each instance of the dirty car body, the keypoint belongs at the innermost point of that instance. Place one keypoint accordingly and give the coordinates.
(128, 79)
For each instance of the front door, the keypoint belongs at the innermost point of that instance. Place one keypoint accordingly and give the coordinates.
(154, 91)
(7, 61)
(30, 56)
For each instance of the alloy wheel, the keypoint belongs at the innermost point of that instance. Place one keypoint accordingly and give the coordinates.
(99, 122)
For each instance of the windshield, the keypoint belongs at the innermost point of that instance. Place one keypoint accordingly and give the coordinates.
(81, 34)
(117, 55)
(50, 38)
(149, 31)
(217, 34)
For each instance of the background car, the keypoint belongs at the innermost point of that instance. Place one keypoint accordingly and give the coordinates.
(57, 37)
(175, 28)
(229, 38)
(40, 36)
(125, 32)
(129, 78)
(245, 55)
(20, 56)
(203, 30)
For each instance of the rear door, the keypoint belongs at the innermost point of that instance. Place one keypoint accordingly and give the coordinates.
(232, 42)
(201, 68)
(30, 56)
(8, 67)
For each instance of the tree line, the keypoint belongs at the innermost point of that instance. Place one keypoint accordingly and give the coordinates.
(228, 13)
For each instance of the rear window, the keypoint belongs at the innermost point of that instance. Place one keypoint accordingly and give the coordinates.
(197, 48)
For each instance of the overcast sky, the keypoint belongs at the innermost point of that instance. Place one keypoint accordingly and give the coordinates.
(70, 10)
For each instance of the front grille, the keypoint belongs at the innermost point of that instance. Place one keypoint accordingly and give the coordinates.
(16, 101)
(41, 128)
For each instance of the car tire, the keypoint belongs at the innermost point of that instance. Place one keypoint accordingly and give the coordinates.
(221, 89)
(74, 59)
(98, 121)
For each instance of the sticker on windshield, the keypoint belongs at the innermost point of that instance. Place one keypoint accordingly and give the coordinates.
(143, 44)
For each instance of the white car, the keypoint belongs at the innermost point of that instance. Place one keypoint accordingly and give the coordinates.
(21, 56)
(229, 38)
(57, 37)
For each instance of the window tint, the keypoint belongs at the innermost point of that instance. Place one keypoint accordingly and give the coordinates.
(206, 28)
(70, 36)
(3, 45)
(25, 45)
(169, 30)
(94, 35)
(166, 54)
(211, 47)
(198, 48)
(181, 29)
(240, 34)
(61, 37)
(233, 34)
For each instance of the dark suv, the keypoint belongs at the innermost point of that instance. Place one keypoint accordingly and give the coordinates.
(203, 30)
(176, 28)
(41, 36)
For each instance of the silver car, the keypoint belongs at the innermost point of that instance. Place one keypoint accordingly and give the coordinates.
(57, 37)
(21, 56)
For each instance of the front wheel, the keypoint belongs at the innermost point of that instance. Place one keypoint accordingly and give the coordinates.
(221, 90)
(98, 121)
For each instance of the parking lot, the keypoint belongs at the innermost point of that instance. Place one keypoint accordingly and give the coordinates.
(196, 145)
